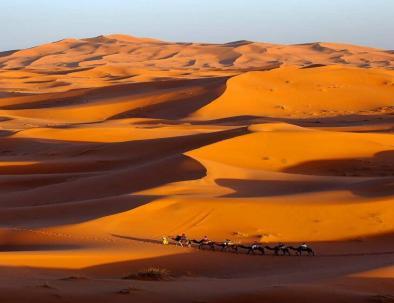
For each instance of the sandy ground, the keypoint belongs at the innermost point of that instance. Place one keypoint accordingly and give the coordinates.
(108, 144)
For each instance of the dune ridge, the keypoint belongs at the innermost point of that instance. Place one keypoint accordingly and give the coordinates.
(107, 60)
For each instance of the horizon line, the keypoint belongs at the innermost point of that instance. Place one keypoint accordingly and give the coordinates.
(158, 40)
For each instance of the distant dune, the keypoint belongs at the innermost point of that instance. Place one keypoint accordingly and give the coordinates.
(107, 60)
(107, 144)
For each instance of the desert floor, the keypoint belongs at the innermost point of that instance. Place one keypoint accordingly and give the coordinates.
(108, 144)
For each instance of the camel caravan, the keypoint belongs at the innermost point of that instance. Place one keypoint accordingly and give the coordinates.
(229, 246)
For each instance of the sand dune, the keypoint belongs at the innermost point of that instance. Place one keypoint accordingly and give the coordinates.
(107, 60)
(109, 143)
(294, 92)
(264, 150)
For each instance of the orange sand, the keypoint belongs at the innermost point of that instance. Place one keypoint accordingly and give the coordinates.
(110, 143)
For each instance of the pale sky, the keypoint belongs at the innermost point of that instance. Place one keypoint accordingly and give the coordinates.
(25, 23)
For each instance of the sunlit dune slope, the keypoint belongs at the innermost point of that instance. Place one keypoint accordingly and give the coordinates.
(283, 147)
(293, 92)
(323, 217)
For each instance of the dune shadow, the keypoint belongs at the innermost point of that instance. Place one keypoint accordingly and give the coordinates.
(111, 184)
(63, 72)
(375, 188)
(380, 165)
(334, 121)
(271, 188)
(38, 247)
(378, 187)
(58, 156)
(86, 96)
(146, 240)
(4, 119)
(313, 65)
(8, 53)
(103, 154)
(97, 171)
(237, 43)
(222, 264)
(6, 133)
(180, 107)
(70, 212)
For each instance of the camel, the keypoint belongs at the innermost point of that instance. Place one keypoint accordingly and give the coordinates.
(279, 249)
(181, 241)
(257, 247)
(204, 243)
(227, 244)
(300, 249)
(252, 248)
